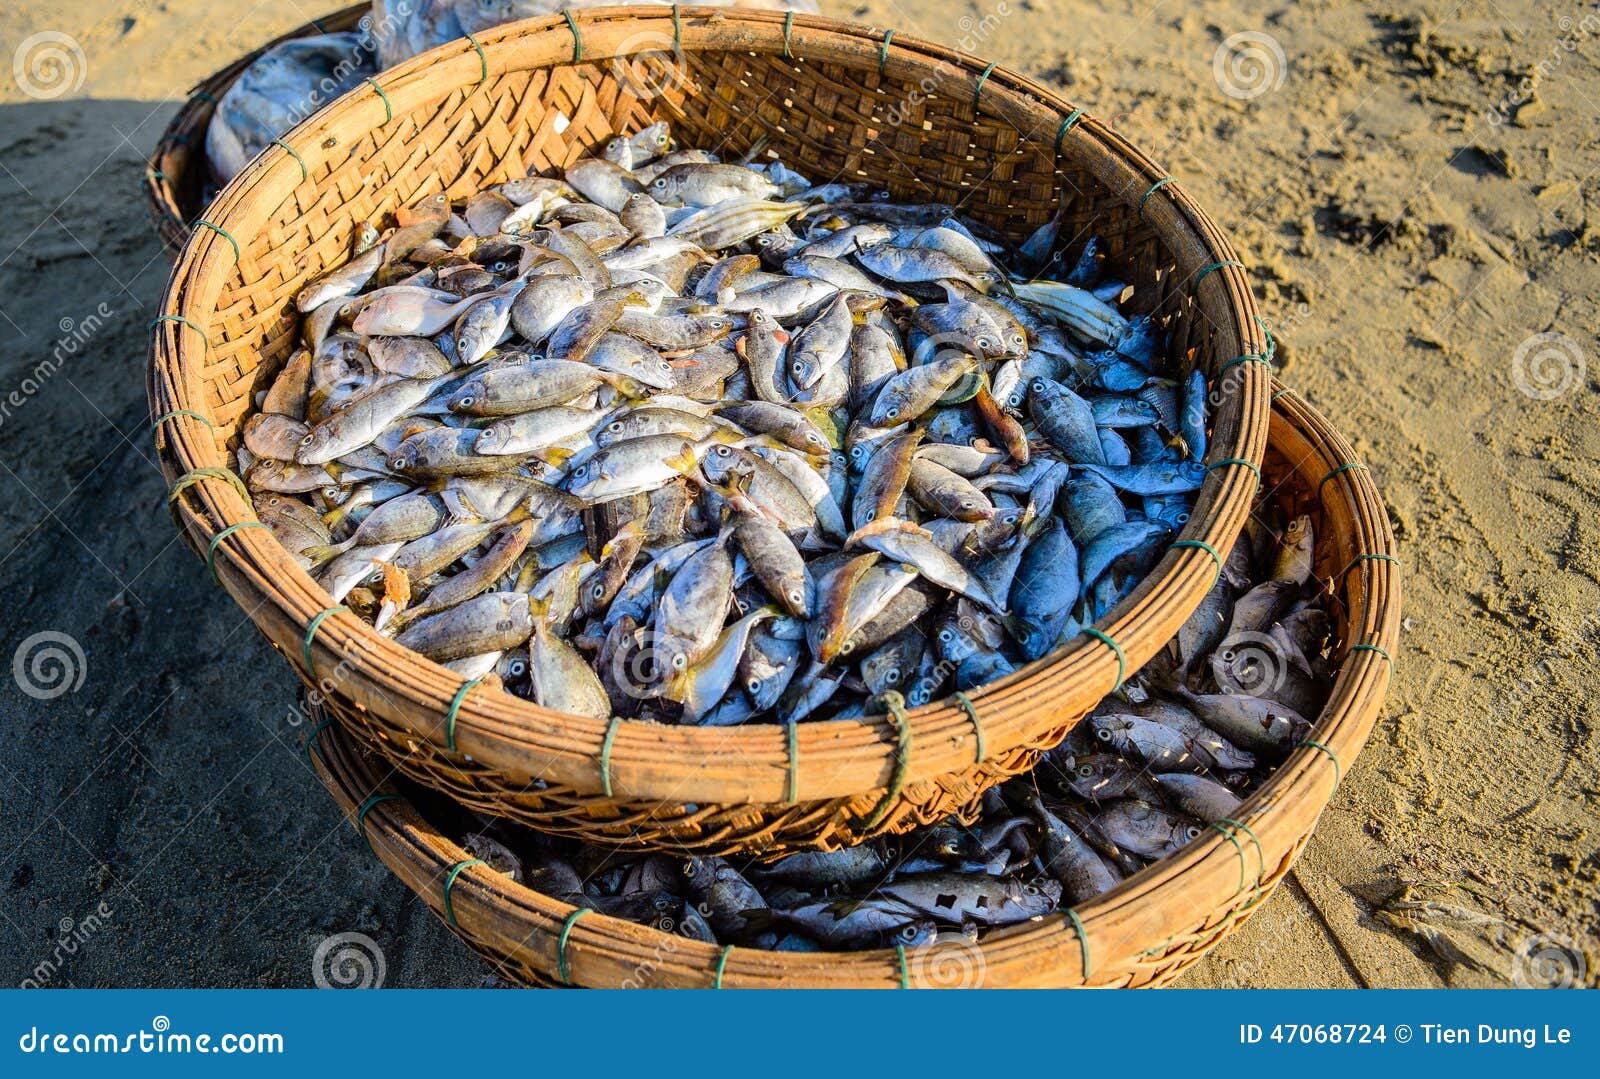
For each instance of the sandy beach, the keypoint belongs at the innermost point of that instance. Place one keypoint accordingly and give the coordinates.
(1411, 195)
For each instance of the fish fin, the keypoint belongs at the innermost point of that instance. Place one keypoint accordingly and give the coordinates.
(327, 552)
(539, 608)
(556, 456)
(683, 462)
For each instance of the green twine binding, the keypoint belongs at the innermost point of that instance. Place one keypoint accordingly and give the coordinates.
(204, 224)
(311, 632)
(1261, 855)
(981, 752)
(361, 816)
(722, 964)
(1201, 276)
(189, 479)
(1249, 357)
(1122, 660)
(905, 970)
(1342, 468)
(1083, 940)
(455, 710)
(206, 96)
(175, 413)
(483, 60)
(1237, 846)
(180, 319)
(305, 173)
(449, 882)
(561, 944)
(895, 705)
(1279, 394)
(211, 553)
(1208, 549)
(788, 25)
(311, 739)
(1157, 186)
(792, 737)
(388, 109)
(1226, 461)
(1066, 125)
(605, 753)
(1338, 769)
(978, 89)
(1367, 558)
(577, 38)
(677, 29)
(883, 53)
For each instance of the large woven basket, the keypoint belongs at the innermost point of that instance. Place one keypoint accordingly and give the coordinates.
(176, 177)
(1143, 933)
(534, 96)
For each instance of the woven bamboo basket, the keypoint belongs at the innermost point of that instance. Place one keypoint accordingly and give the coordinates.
(175, 178)
(1144, 933)
(534, 96)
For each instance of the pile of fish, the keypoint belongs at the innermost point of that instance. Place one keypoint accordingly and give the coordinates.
(289, 82)
(1198, 729)
(705, 442)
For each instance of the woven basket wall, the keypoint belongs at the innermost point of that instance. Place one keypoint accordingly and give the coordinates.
(531, 98)
(1144, 933)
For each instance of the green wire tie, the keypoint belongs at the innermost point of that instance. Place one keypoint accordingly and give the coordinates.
(792, 737)
(388, 109)
(211, 553)
(1083, 940)
(449, 882)
(311, 739)
(883, 53)
(1379, 651)
(206, 96)
(204, 224)
(561, 944)
(978, 89)
(1237, 846)
(189, 479)
(1279, 394)
(1157, 186)
(605, 753)
(677, 28)
(361, 816)
(455, 711)
(896, 709)
(788, 25)
(1066, 125)
(1202, 545)
(1261, 855)
(722, 963)
(1122, 660)
(577, 49)
(1332, 756)
(1335, 472)
(311, 632)
(1249, 357)
(179, 318)
(971, 709)
(483, 60)
(157, 174)
(905, 971)
(1201, 276)
(305, 173)
(1367, 558)
(175, 413)
(1226, 461)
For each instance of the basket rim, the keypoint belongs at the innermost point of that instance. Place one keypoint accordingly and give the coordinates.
(637, 758)
(188, 125)
(1061, 950)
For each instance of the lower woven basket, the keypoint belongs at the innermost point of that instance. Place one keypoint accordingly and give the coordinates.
(1143, 933)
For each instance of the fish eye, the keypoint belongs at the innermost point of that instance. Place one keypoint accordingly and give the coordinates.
(947, 635)
(465, 402)
(892, 677)
(909, 933)
(518, 668)
(659, 183)
(614, 426)
(1192, 832)
(1182, 517)
(1029, 890)
(274, 500)
(679, 661)
(1018, 340)
(599, 591)
(894, 413)
(724, 451)
(1103, 734)
(871, 515)
(753, 686)
(1085, 771)
(398, 464)
(308, 440)
(847, 647)
(487, 435)
(798, 368)
(661, 139)
(984, 343)
(1037, 385)
(327, 492)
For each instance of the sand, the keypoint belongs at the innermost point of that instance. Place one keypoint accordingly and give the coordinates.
(1415, 219)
